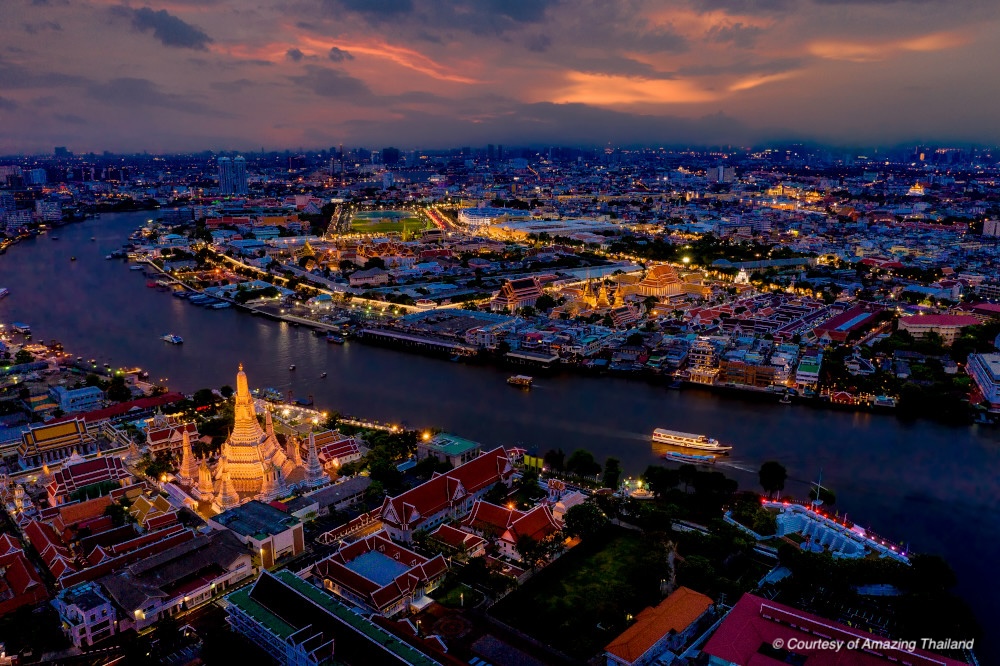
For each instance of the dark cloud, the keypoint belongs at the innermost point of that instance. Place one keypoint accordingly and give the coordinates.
(170, 30)
(232, 87)
(14, 76)
(539, 43)
(7, 104)
(737, 34)
(613, 65)
(476, 16)
(42, 26)
(133, 92)
(327, 82)
(743, 6)
(339, 55)
(294, 54)
(70, 118)
(571, 124)
(374, 10)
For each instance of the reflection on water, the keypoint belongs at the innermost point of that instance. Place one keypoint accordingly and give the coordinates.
(931, 486)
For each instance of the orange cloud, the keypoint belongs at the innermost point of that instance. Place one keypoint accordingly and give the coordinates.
(408, 58)
(603, 90)
(755, 81)
(860, 52)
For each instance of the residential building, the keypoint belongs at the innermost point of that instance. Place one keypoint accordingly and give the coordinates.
(445, 497)
(84, 399)
(371, 277)
(87, 615)
(949, 327)
(271, 534)
(660, 632)
(381, 576)
(449, 448)
(985, 372)
(232, 175)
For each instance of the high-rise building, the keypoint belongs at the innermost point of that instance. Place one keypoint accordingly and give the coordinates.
(991, 228)
(232, 175)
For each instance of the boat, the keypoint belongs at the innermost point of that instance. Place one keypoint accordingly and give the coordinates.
(693, 458)
(333, 338)
(323, 376)
(151, 284)
(72, 258)
(4, 292)
(172, 339)
(222, 305)
(688, 441)
(93, 238)
(54, 237)
(786, 399)
(291, 367)
(135, 267)
(109, 256)
(521, 381)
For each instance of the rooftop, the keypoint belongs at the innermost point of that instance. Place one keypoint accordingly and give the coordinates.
(451, 445)
(673, 614)
(256, 519)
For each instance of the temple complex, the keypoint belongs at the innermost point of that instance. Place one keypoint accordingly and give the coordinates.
(252, 464)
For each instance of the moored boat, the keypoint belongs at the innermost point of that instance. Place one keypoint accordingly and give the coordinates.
(172, 338)
(4, 292)
(693, 458)
(688, 440)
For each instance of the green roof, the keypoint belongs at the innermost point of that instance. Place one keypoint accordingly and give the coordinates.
(366, 627)
(452, 445)
(272, 622)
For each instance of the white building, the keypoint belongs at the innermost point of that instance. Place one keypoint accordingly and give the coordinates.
(86, 614)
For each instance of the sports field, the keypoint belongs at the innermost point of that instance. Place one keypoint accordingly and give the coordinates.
(390, 221)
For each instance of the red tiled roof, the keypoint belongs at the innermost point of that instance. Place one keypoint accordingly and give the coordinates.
(413, 506)
(124, 408)
(939, 320)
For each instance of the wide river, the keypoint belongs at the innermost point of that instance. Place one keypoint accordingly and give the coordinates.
(931, 486)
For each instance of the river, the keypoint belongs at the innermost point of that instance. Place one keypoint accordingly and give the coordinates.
(931, 486)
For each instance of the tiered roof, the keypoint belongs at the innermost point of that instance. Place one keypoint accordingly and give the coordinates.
(427, 499)
(381, 596)
(71, 478)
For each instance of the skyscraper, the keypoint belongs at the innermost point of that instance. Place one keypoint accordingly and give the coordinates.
(232, 175)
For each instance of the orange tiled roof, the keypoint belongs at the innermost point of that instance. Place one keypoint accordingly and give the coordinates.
(675, 613)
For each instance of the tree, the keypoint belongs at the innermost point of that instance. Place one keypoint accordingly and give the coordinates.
(23, 356)
(585, 520)
(375, 262)
(227, 391)
(660, 479)
(772, 477)
(634, 340)
(530, 550)
(118, 391)
(545, 302)
(203, 397)
(582, 463)
(555, 459)
(687, 474)
(612, 473)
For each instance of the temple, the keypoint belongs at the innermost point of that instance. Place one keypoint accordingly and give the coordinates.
(252, 464)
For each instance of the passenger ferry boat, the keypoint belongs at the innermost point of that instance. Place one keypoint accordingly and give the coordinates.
(172, 339)
(521, 381)
(688, 441)
(694, 458)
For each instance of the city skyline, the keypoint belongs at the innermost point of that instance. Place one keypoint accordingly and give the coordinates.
(216, 75)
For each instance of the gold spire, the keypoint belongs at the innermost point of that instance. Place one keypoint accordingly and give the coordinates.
(189, 466)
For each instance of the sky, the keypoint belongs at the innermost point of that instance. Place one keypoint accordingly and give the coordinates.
(191, 75)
